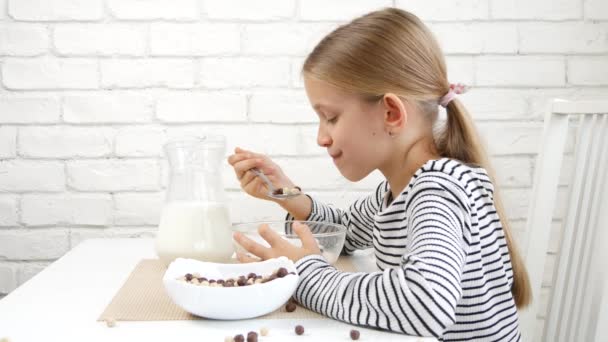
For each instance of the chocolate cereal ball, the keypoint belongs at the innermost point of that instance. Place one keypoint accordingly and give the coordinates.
(299, 330)
(252, 336)
(282, 272)
(290, 307)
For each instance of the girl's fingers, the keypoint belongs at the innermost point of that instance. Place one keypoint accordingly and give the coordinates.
(305, 235)
(252, 246)
(252, 154)
(253, 184)
(241, 167)
(244, 258)
(268, 170)
(242, 150)
(244, 160)
(237, 157)
(241, 155)
(247, 178)
(270, 235)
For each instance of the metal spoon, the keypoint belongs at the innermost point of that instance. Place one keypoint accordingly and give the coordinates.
(272, 191)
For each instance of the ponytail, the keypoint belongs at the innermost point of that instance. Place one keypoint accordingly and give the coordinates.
(459, 140)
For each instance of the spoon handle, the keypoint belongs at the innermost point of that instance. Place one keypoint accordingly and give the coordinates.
(264, 178)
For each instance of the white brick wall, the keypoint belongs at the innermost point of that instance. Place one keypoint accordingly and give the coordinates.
(522, 71)
(113, 175)
(90, 90)
(23, 39)
(66, 209)
(447, 10)
(241, 72)
(153, 9)
(8, 211)
(264, 10)
(201, 107)
(134, 73)
(107, 107)
(2, 9)
(596, 9)
(194, 39)
(281, 107)
(476, 38)
(539, 9)
(35, 244)
(8, 142)
(8, 276)
(99, 40)
(19, 175)
(320, 10)
(64, 142)
(49, 73)
(589, 71)
(17, 109)
(283, 38)
(55, 10)
(564, 38)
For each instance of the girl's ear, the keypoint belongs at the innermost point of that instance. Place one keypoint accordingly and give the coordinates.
(395, 114)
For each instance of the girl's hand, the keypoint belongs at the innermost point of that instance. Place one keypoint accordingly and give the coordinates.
(242, 161)
(278, 246)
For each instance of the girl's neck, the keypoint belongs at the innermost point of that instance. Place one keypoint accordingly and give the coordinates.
(400, 171)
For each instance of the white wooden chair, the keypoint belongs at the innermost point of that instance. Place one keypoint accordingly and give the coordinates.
(578, 304)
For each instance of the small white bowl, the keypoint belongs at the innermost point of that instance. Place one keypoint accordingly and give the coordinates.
(230, 303)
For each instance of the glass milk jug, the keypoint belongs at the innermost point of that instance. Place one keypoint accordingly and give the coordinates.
(195, 222)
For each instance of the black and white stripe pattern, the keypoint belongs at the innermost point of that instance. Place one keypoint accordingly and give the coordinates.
(444, 267)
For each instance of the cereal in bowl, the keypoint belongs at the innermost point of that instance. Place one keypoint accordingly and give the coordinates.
(243, 280)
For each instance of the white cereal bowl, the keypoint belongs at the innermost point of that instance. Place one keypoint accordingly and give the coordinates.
(230, 303)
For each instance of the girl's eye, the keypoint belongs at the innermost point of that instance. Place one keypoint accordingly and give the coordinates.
(333, 119)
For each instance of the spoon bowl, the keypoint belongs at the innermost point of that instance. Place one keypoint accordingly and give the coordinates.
(272, 190)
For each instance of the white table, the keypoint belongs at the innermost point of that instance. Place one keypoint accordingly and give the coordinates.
(63, 302)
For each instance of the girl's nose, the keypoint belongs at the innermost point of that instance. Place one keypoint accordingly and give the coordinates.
(323, 139)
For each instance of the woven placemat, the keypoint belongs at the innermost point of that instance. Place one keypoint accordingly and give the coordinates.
(143, 298)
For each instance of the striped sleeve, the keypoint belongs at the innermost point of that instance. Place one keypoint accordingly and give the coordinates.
(358, 219)
(419, 296)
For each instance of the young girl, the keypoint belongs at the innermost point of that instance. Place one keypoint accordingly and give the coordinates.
(448, 265)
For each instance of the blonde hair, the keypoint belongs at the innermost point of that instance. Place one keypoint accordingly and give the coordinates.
(391, 50)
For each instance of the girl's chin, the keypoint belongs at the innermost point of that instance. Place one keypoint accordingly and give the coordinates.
(351, 176)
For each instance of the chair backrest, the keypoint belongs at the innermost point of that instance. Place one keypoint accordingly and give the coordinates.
(579, 283)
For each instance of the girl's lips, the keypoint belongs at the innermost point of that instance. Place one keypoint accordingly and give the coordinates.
(335, 156)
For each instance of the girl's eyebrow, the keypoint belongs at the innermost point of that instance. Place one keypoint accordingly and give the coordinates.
(321, 107)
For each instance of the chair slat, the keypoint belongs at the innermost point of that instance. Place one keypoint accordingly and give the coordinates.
(546, 179)
(554, 326)
(592, 272)
(597, 329)
(585, 230)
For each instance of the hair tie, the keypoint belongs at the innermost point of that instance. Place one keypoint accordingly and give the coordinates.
(455, 89)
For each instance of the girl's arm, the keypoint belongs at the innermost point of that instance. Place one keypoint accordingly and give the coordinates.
(417, 298)
(358, 219)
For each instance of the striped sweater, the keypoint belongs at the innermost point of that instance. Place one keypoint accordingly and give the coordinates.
(444, 266)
